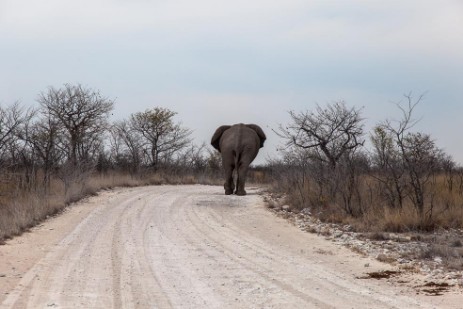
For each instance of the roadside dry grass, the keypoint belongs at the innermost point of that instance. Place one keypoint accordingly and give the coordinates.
(390, 236)
(20, 212)
(21, 209)
(369, 206)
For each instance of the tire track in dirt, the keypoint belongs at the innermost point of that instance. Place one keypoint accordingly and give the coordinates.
(240, 256)
(253, 257)
(84, 269)
(242, 247)
(136, 278)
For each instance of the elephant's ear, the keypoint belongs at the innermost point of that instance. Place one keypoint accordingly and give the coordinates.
(215, 141)
(259, 132)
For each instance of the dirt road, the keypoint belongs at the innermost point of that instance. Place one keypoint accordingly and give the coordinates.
(186, 247)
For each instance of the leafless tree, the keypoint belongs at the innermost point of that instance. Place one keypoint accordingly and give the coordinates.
(419, 156)
(44, 137)
(82, 114)
(422, 161)
(161, 136)
(298, 173)
(193, 157)
(330, 139)
(15, 156)
(126, 145)
(13, 118)
(331, 131)
(388, 168)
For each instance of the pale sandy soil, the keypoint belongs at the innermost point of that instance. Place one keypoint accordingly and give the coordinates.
(190, 247)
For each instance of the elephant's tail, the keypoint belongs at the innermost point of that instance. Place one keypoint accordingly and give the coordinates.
(237, 158)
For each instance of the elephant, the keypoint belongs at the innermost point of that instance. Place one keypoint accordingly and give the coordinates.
(238, 145)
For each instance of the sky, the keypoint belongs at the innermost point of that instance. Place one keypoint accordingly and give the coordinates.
(220, 62)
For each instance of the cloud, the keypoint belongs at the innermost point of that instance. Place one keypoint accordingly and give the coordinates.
(226, 56)
(334, 28)
(356, 26)
(87, 18)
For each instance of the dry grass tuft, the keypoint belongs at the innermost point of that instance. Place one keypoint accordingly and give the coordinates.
(386, 258)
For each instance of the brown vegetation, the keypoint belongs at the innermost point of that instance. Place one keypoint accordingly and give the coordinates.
(403, 183)
(22, 209)
(68, 149)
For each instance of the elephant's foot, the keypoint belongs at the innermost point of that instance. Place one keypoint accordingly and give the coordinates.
(229, 187)
(240, 192)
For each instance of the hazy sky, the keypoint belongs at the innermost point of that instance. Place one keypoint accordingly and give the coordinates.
(223, 62)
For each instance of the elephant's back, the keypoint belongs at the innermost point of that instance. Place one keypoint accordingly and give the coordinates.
(240, 138)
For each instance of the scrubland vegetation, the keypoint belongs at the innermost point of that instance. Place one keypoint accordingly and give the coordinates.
(67, 148)
(388, 182)
(402, 182)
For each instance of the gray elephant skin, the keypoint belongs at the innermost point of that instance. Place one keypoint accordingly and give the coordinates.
(239, 145)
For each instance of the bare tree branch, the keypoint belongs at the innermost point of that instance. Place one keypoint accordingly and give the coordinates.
(82, 113)
(334, 130)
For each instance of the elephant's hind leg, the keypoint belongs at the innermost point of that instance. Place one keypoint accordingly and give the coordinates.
(240, 183)
(229, 185)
